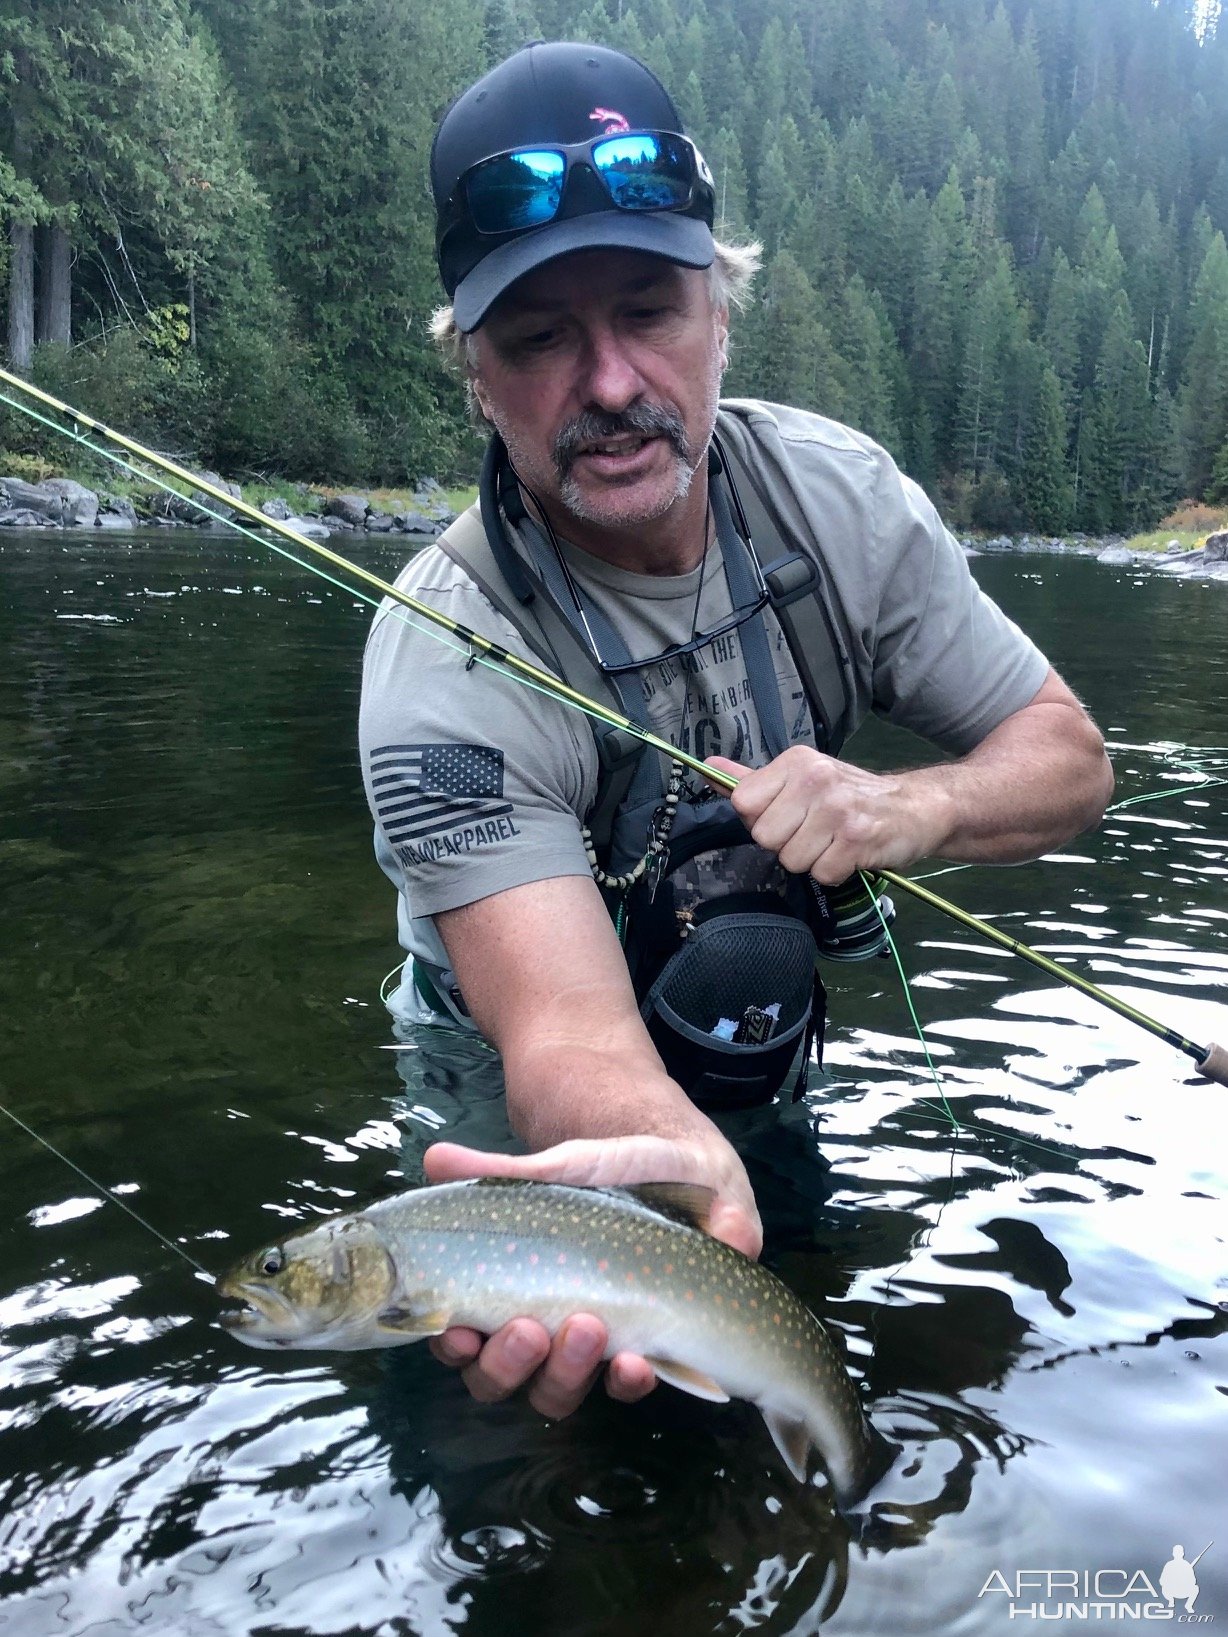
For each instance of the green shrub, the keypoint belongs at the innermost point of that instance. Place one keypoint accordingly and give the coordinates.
(272, 411)
(125, 381)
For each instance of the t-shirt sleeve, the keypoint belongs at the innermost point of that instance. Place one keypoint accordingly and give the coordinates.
(475, 780)
(947, 662)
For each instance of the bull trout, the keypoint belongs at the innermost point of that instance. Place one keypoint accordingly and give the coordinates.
(707, 1318)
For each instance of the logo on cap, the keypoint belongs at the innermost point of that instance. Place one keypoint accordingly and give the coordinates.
(615, 124)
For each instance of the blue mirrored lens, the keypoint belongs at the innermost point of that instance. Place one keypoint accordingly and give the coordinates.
(516, 190)
(645, 172)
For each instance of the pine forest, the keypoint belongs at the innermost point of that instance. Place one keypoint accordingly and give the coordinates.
(993, 230)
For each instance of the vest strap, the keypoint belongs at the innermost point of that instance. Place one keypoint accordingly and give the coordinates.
(552, 639)
(799, 596)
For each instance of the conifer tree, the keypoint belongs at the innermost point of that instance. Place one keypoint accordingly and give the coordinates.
(1043, 488)
(1205, 389)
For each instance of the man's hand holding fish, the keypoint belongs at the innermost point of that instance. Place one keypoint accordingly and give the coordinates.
(561, 1370)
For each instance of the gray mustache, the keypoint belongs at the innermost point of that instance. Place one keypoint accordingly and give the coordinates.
(640, 420)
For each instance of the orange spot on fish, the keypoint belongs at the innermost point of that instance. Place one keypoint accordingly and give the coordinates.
(562, 1257)
(602, 1265)
(630, 1278)
(775, 1318)
(533, 1258)
(688, 1295)
(510, 1246)
(668, 1268)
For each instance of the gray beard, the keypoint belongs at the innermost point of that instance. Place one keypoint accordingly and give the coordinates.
(574, 499)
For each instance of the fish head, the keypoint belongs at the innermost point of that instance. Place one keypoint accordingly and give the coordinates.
(321, 1288)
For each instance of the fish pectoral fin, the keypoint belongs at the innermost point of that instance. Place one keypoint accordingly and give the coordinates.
(792, 1438)
(689, 1380)
(686, 1202)
(413, 1321)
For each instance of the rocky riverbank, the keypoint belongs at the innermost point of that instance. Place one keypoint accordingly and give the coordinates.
(1208, 562)
(62, 503)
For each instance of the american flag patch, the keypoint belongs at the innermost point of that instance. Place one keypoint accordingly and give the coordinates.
(427, 790)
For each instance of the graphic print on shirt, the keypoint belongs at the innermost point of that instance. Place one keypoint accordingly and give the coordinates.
(703, 704)
(437, 799)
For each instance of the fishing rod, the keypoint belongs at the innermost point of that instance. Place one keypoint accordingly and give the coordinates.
(1211, 1060)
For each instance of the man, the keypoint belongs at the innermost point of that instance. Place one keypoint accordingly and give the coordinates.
(755, 591)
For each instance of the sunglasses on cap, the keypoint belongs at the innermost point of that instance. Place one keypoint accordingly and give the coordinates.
(524, 188)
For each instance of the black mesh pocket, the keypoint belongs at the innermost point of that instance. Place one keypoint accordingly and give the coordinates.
(750, 975)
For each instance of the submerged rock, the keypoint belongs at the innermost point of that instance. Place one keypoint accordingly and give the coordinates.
(1115, 557)
(21, 517)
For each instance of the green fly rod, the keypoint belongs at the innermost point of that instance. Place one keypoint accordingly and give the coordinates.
(1212, 1060)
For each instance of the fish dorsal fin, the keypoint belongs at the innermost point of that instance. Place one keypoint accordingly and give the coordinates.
(690, 1381)
(685, 1202)
(792, 1439)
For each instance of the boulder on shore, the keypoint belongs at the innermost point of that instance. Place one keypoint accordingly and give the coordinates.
(18, 495)
(79, 504)
(1216, 548)
(174, 508)
(116, 512)
(350, 509)
(417, 522)
(1115, 557)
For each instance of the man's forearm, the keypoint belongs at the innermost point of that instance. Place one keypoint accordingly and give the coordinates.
(1031, 785)
(561, 1088)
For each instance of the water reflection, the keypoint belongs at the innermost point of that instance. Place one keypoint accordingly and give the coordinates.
(1027, 1279)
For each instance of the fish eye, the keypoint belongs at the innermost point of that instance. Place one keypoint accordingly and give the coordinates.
(273, 1261)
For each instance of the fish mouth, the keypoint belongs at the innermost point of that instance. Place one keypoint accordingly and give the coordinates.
(263, 1314)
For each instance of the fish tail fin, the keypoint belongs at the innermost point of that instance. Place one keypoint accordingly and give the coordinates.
(879, 1457)
(850, 1484)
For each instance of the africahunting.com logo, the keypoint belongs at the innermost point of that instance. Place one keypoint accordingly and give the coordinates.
(1104, 1594)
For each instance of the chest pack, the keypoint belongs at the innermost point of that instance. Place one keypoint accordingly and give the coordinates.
(721, 942)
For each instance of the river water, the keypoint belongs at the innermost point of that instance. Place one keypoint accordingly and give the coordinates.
(194, 934)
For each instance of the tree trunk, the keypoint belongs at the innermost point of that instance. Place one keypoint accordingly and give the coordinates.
(55, 285)
(21, 250)
(21, 296)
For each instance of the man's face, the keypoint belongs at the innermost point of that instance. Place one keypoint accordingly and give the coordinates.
(601, 372)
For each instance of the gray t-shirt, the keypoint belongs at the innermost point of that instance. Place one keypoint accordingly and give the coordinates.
(479, 784)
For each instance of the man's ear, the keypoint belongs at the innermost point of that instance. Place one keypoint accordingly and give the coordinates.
(722, 336)
(478, 390)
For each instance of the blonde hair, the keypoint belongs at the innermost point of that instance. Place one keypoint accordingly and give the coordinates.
(730, 277)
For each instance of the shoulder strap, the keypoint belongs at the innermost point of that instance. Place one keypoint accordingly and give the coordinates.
(799, 598)
(552, 640)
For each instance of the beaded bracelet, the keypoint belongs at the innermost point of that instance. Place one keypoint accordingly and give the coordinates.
(662, 826)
